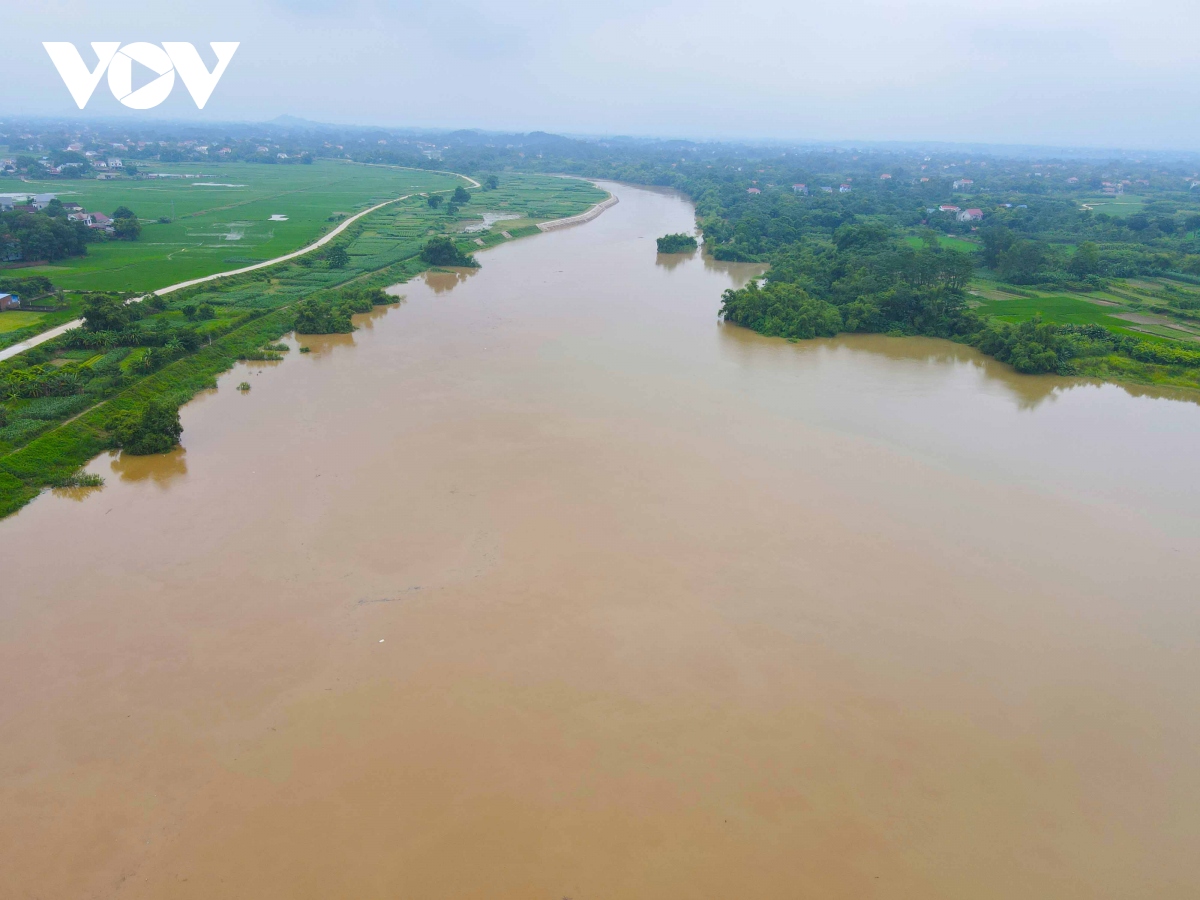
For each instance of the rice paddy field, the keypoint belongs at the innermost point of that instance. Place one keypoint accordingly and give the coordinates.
(947, 241)
(1121, 205)
(227, 215)
(1143, 308)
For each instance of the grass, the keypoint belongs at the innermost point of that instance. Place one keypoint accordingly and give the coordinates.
(12, 320)
(26, 324)
(1059, 309)
(1115, 206)
(219, 228)
(947, 242)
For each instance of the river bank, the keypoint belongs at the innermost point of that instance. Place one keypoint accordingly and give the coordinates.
(62, 392)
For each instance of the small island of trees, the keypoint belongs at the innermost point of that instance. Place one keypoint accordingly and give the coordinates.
(676, 243)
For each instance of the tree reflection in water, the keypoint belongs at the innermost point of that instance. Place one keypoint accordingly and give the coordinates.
(160, 468)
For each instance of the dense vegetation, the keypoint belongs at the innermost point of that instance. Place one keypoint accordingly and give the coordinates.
(442, 251)
(43, 235)
(868, 282)
(331, 314)
(676, 243)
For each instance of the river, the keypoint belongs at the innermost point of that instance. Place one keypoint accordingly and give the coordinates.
(546, 584)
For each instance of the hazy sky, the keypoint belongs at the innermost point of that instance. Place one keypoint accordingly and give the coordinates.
(1120, 73)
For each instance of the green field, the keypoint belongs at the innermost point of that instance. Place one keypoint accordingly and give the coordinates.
(220, 227)
(1061, 310)
(1115, 206)
(948, 242)
(1152, 324)
(14, 321)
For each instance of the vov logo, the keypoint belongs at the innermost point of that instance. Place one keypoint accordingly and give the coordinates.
(118, 60)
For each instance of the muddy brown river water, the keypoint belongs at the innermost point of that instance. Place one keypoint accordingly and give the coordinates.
(545, 584)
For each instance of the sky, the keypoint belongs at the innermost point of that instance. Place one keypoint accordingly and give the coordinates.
(1078, 73)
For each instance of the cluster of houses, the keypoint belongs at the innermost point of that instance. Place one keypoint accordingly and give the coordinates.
(75, 212)
(962, 215)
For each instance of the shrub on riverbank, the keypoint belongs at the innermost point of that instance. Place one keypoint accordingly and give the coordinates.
(331, 314)
(442, 251)
(154, 429)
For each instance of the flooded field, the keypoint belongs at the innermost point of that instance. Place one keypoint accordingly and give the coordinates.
(546, 584)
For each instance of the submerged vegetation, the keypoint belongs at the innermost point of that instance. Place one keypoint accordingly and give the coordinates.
(330, 314)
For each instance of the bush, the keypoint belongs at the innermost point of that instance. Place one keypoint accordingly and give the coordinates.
(441, 251)
(156, 429)
(337, 257)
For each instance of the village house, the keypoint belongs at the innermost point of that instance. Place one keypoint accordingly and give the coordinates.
(970, 215)
(884, 177)
(115, 163)
(946, 208)
(844, 188)
(799, 188)
(9, 301)
(91, 219)
(1072, 180)
(963, 183)
(753, 191)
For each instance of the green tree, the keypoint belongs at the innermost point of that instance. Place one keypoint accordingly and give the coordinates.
(1085, 260)
(337, 257)
(491, 183)
(127, 229)
(441, 251)
(156, 429)
(461, 196)
(105, 312)
(434, 201)
(1021, 263)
